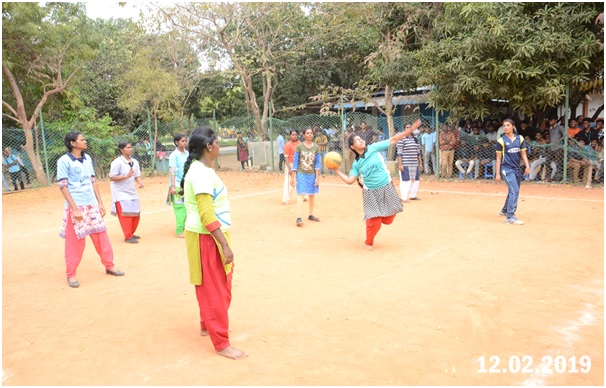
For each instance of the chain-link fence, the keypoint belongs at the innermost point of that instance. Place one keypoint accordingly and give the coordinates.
(473, 155)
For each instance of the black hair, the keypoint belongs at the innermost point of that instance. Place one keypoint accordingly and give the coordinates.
(197, 144)
(69, 137)
(122, 145)
(178, 137)
(350, 142)
(295, 131)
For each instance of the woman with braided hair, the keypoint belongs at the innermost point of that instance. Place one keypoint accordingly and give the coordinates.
(207, 239)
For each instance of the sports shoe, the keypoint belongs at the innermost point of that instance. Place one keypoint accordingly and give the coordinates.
(414, 199)
(501, 214)
(131, 240)
(313, 218)
(299, 222)
(513, 221)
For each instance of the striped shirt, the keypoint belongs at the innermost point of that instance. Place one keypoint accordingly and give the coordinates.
(409, 151)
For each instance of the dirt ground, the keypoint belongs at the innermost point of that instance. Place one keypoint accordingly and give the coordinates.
(447, 284)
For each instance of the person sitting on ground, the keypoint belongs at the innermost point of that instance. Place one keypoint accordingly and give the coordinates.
(577, 159)
(463, 156)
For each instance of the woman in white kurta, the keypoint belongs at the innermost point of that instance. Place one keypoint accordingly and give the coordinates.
(123, 174)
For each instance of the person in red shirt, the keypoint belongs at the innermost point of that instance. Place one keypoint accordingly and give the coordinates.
(289, 155)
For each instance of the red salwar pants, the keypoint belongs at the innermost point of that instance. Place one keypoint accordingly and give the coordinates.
(214, 294)
(128, 224)
(373, 225)
(74, 248)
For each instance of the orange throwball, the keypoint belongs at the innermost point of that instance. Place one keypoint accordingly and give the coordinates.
(332, 160)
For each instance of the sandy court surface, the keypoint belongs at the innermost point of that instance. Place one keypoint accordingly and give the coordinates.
(447, 284)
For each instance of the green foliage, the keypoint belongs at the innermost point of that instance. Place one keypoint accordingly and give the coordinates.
(43, 46)
(525, 53)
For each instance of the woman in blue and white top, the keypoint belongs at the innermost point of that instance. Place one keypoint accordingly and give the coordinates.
(511, 147)
(380, 198)
(83, 212)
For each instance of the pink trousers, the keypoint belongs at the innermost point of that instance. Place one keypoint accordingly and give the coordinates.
(74, 249)
(214, 294)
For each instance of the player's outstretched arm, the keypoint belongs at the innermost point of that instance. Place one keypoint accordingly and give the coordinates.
(345, 178)
(399, 136)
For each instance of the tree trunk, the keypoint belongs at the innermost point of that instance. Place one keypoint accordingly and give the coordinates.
(155, 140)
(389, 115)
(597, 113)
(33, 156)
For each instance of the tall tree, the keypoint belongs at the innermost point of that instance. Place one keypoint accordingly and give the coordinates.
(148, 85)
(525, 53)
(99, 84)
(43, 47)
(391, 66)
(338, 38)
(256, 37)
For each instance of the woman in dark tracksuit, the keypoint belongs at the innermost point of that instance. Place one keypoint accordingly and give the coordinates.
(510, 148)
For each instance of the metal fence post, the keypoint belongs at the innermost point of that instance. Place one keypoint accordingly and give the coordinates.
(271, 137)
(437, 169)
(343, 130)
(566, 117)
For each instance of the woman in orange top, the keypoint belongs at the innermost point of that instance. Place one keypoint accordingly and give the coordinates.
(289, 155)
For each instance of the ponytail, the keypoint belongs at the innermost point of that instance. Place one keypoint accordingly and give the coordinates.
(190, 159)
(196, 145)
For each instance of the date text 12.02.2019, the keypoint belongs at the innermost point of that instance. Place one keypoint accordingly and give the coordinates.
(527, 364)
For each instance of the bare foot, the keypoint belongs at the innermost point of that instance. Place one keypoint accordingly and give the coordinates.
(368, 247)
(203, 333)
(233, 353)
(180, 235)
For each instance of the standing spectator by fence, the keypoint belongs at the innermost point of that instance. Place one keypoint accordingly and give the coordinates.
(12, 165)
(428, 142)
(449, 142)
(242, 150)
(280, 143)
(147, 150)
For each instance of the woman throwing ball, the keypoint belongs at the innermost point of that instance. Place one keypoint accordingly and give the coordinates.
(380, 198)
